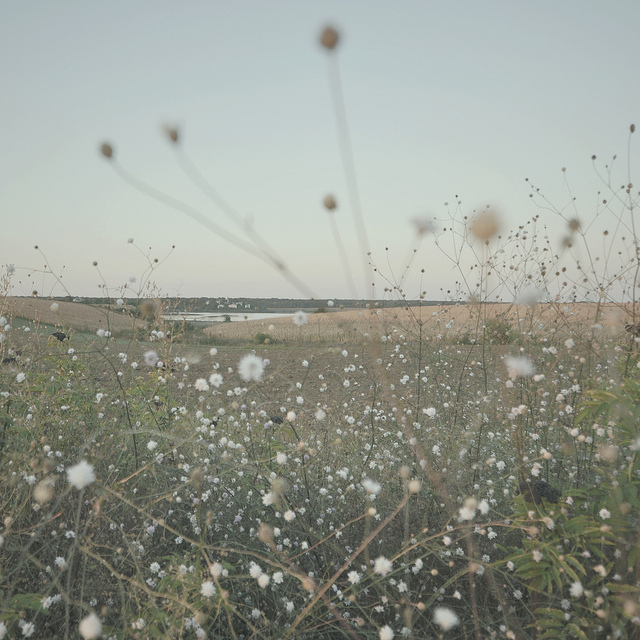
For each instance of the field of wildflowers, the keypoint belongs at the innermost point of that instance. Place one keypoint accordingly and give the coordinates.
(409, 476)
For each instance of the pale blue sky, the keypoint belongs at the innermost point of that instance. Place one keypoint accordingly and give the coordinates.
(466, 98)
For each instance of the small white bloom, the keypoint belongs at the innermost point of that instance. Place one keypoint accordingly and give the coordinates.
(382, 566)
(519, 367)
(281, 458)
(216, 569)
(81, 475)
(263, 580)
(576, 589)
(215, 380)
(201, 385)
(150, 358)
(208, 589)
(386, 633)
(289, 515)
(300, 318)
(445, 618)
(353, 577)
(90, 627)
(251, 368)
(605, 514)
(20, 377)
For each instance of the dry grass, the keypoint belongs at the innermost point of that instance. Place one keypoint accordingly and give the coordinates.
(345, 326)
(72, 315)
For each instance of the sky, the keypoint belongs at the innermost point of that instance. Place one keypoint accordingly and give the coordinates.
(444, 102)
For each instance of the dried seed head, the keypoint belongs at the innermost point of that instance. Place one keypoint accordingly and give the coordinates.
(574, 224)
(265, 533)
(485, 225)
(330, 203)
(632, 128)
(172, 133)
(329, 38)
(106, 150)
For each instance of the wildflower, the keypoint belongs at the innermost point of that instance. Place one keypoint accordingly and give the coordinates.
(207, 589)
(81, 475)
(281, 458)
(251, 368)
(263, 580)
(154, 568)
(215, 380)
(417, 566)
(430, 411)
(300, 318)
(90, 627)
(20, 377)
(537, 556)
(151, 445)
(468, 512)
(382, 566)
(150, 358)
(27, 628)
(201, 385)
(353, 577)
(277, 577)
(216, 569)
(386, 633)
(445, 618)
(569, 343)
(289, 515)
(371, 486)
(576, 589)
(605, 514)
(255, 571)
(43, 491)
(519, 367)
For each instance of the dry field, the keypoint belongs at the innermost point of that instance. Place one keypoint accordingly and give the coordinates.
(73, 315)
(457, 320)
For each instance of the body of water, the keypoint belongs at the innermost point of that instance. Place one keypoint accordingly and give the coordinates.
(209, 317)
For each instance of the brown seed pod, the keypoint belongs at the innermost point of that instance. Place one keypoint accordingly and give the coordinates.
(330, 203)
(106, 150)
(329, 38)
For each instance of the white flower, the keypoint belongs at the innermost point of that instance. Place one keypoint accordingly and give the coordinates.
(81, 475)
(569, 343)
(151, 445)
(27, 628)
(300, 318)
(90, 627)
(20, 377)
(382, 566)
(255, 571)
(215, 380)
(386, 633)
(281, 458)
(207, 589)
(576, 589)
(251, 368)
(263, 580)
(150, 358)
(201, 385)
(289, 515)
(353, 577)
(371, 486)
(430, 411)
(519, 366)
(446, 618)
(154, 568)
(605, 514)
(216, 569)
(277, 577)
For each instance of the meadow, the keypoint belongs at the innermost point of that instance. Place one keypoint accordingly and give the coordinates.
(459, 471)
(470, 470)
